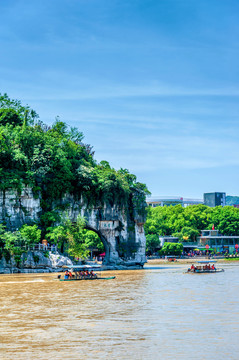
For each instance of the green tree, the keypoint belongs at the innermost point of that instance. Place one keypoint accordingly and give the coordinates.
(24, 112)
(58, 235)
(76, 238)
(198, 216)
(172, 249)
(14, 245)
(176, 220)
(10, 117)
(164, 220)
(54, 162)
(31, 233)
(70, 236)
(152, 243)
(92, 240)
(226, 220)
(187, 234)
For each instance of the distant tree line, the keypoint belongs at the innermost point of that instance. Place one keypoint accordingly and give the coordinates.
(187, 223)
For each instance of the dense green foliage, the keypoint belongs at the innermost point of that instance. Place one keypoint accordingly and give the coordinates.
(73, 237)
(170, 220)
(14, 244)
(187, 223)
(172, 249)
(92, 240)
(54, 161)
(70, 237)
(31, 234)
(191, 220)
(226, 220)
(152, 243)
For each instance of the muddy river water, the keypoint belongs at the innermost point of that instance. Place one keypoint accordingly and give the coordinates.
(156, 313)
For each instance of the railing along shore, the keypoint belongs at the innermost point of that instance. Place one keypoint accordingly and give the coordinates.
(41, 247)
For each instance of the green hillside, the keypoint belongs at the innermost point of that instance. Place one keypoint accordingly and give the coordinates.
(54, 160)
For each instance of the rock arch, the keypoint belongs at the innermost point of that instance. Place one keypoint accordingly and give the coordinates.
(122, 235)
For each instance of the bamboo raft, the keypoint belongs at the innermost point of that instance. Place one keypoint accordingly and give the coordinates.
(77, 268)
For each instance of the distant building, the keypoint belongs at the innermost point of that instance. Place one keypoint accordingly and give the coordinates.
(164, 239)
(155, 201)
(214, 199)
(209, 199)
(217, 241)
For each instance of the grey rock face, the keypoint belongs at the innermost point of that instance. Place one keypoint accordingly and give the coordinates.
(34, 261)
(57, 261)
(121, 233)
(18, 209)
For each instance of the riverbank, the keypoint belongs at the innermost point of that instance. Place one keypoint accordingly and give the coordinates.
(34, 262)
(189, 261)
(37, 263)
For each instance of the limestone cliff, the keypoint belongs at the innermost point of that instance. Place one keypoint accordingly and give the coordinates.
(120, 229)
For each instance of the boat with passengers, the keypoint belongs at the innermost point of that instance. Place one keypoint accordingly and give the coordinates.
(204, 266)
(82, 272)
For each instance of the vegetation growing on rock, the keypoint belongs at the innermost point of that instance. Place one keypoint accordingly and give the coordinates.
(54, 161)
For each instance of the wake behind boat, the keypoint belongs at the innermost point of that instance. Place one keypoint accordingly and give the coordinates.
(82, 272)
(206, 266)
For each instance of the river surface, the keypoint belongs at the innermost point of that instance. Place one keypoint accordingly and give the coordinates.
(156, 313)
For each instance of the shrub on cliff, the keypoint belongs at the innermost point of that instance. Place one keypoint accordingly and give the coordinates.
(31, 234)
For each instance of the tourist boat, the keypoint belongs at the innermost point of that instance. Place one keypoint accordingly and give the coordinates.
(75, 270)
(204, 267)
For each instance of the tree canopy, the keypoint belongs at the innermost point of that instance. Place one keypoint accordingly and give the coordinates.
(53, 161)
(186, 223)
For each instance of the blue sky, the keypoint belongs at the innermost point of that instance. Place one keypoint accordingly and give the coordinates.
(153, 85)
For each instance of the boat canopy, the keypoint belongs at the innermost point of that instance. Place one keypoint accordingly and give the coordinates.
(81, 267)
